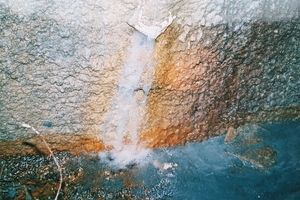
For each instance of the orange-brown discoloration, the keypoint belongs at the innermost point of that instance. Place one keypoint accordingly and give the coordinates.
(72, 143)
(178, 80)
(195, 96)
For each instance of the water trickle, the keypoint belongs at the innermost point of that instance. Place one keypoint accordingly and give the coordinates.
(122, 121)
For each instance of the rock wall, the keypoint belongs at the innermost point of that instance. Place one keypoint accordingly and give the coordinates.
(205, 90)
(219, 64)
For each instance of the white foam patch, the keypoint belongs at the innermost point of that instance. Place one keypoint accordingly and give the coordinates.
(125, 158)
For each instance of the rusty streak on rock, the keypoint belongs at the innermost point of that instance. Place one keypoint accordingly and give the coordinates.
(72, 143)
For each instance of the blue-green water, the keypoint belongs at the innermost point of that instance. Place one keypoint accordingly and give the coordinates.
(215, 170)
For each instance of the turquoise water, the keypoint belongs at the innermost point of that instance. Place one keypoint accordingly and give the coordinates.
(214, 170)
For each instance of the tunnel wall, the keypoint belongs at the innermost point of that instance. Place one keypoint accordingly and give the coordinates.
(219, 64)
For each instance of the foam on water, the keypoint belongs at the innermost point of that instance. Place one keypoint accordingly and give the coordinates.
(125, 158)
(122, 121)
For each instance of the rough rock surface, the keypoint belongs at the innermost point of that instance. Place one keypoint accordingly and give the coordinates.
(219, 64)
(227, 78)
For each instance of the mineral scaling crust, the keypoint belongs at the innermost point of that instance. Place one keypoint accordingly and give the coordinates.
(219, 65)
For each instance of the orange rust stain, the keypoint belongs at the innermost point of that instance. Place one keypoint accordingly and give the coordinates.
(177, 73)
(160, 137)
(72, 143)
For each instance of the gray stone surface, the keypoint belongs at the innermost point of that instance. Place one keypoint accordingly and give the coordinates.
(54, 57)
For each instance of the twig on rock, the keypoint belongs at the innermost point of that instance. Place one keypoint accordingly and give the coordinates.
(51, 153)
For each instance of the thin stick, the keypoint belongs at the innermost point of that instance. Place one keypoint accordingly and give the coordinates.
(51, 153)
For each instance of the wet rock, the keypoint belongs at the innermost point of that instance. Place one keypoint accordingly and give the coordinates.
(263, 158)
(231, 134)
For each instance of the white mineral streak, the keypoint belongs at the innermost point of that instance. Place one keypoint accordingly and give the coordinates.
(149, 27)
(122, 121)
